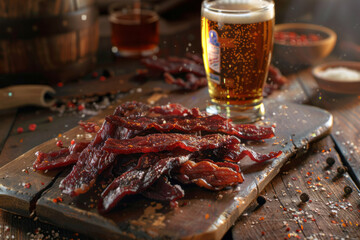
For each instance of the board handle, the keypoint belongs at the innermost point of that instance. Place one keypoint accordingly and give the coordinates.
(23, 95)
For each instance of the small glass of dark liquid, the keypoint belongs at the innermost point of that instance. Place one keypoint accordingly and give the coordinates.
(134, 30)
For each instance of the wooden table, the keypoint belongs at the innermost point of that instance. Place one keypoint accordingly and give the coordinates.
(330, 214)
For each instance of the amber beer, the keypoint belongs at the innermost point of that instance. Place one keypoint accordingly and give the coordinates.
(237, 41)
(134, 32)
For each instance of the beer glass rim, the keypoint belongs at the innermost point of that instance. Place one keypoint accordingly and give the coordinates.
(207, 4)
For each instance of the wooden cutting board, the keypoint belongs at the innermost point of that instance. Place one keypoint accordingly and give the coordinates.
(202, 214)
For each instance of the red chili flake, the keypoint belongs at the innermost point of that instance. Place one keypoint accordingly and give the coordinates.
(21, 140)
(60, 84)
(70, 104)
(262, 233)
(59, 143)
(304, 220)
(32, 127)
(81, 107)
(72, 142)
(95, 74)
(300, 209)
(209, 205)
(313, 219)
(102, 78)
(261, 218)
(42, 183)
(318, 178)
(207, 216)
(294, 178)
(287, 229)
(50, 118)
(297, 230)
(58, 199)
(310, 201)
(308, 174)
(20, 130)
(333, 221)
(285, 209)
(27, 185)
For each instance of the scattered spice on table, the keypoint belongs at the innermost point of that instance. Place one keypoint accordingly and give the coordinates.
(32, 127)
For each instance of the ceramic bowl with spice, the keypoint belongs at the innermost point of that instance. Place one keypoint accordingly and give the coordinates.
(300, 45)
(338, 77)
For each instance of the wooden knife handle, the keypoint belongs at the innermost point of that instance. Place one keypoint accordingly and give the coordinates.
(22, 95)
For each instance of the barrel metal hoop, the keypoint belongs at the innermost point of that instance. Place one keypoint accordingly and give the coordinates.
(22, 28)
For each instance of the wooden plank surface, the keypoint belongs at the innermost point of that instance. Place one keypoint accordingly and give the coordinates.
(329, 214)
(346, 111)
(297, 129)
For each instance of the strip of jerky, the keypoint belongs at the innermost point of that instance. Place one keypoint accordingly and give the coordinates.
(93, 160)
(191, 81)
(158, 142)
(150, 168)
(163, 190)
(209, 174)
(63, 157)
(188, 124)
(240, 151)
(175, 109)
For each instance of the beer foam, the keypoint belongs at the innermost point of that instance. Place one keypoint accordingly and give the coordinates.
(238, 11)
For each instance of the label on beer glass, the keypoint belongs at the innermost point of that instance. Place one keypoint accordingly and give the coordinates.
(213, 49)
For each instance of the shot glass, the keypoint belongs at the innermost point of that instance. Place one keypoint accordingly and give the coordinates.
(237, 43)
(134, 29)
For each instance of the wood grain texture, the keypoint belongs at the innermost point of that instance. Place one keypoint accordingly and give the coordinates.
(346, 112)
(330, 214)
(297, 130)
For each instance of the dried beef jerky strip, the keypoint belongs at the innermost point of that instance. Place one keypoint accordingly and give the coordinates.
(191, 82)
(61, 158)
(239, 152)
(163, 190)
(150, 168)
(196, 58)
(188, 124)
(175, 109)
(173, 65)
(209, 174)
(167, 142)
(93, 160)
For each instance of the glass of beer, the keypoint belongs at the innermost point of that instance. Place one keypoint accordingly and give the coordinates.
(237, 42)
(134, 29)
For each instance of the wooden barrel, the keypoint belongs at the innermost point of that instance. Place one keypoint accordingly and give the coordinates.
(47, 41)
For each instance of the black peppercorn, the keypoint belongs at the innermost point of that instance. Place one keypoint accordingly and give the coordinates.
(330, 161)
(261, 200)
(304, 197)
(107, 73)
(341, 171)
(347, 190)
